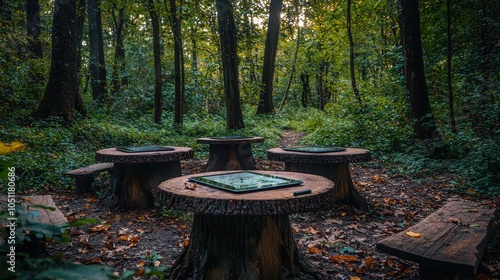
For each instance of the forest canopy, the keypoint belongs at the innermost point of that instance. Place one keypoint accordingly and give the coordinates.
(154, 71)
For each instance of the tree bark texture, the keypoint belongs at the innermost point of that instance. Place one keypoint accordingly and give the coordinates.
(157, 61)
(345, 191)
(61, 97)
(229, 55)
(273, 30)
(230, 154)
(33, 28)
(351, 54)
(265, 245)
(332, 165)
(243, 235)
(423, 121)
(178, 64)
(119, 58)
(136, 176)
(97, 65)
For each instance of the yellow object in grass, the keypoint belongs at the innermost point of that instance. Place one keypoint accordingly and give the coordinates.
(7, 148)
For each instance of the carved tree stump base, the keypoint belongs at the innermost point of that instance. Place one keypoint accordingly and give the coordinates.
(263, 245)
(345, 191)
(133, 185)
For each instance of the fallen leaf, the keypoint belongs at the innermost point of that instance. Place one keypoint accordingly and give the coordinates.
(370, 263)
(315, 250)
(110, 244)
(343, 258)
(354, 278)
(312, 230)
(413, 234)
(99, 228)
(157, 263)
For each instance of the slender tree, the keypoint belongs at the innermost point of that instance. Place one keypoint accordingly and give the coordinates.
(449, 68)
(33, 28)
(266, 94)
(117, 78)
(175, 22)
(424, 124)
(157, 60)
(61, 97)
(351, 53)
(229, 55)
(96, 63)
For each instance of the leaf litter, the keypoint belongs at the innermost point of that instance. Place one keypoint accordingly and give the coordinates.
(339, 242)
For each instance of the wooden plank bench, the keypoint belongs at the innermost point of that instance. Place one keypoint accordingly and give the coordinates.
(451, 241)
(84, 176)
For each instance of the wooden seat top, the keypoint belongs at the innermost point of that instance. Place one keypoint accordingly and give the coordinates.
(229, 140)
(113, 155)
(347, 156)
(208, 200)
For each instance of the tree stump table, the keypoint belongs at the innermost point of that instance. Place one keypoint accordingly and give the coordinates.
(136, 176)
(230, 153)
(332, 165)
(243, 235)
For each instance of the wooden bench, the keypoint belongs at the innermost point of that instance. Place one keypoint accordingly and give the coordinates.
(84, 176)
(447, 243)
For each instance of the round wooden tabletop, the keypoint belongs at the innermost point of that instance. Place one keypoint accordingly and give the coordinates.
(347, 156)
(229, 140)
(173, 193)
(113, 155)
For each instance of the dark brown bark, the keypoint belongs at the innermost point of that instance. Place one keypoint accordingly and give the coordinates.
(453, 123)
(351, 54)
(292, 73)
(230, 154)
(119, 59)
(157, 61)
(424, 125)
(265, 245)
(273, 30)
(306, 90)
(229, 55)
(61, 97)
(96, 62)
(178, 65)
(33, 28)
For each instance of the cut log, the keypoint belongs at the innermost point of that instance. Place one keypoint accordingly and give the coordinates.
(451, 242)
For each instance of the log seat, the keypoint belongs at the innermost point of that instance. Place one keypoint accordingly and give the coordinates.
(448, 243)
(85, 176)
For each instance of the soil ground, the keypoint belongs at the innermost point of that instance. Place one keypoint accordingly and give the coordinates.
(146, 238)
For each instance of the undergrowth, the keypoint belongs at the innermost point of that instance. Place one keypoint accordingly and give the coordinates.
(54, 148)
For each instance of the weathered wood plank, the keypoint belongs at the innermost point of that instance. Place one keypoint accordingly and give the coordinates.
(452, 238)
(90, 170)
(47, 216)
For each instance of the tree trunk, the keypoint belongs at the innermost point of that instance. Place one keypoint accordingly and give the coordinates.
(306, 91)
(268, 250)
(351, 54)
(178, 65)
(119, 59)
(157, 61)
(96, 63)
(424, 125)
(33, 28)
(229, 53)
(273, 31)
(294, 66)
(61, 97)
(453, 123)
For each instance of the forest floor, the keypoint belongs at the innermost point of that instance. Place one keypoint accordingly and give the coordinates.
(142, 238)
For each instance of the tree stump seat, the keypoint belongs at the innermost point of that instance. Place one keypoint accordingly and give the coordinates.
(447, 243)
(84, 176)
